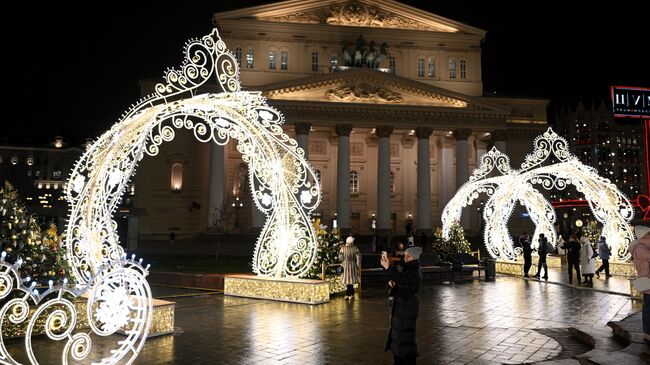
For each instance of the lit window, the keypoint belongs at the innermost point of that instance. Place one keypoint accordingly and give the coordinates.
(354, 182)
(238, 54)
(334, 61)
(56, 174)
(272, 59)
(432, 68)
(314, 61)
(452, 68)
(391, 63)
(250, 56)
(177, 177)
(30, 161)
(392, 182)
(38, 173)
(14, 160)
(463, 69)
(420, 66)
(284, 60)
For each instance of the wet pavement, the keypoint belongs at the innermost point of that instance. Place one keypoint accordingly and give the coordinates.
(614, 284)
(477, 322)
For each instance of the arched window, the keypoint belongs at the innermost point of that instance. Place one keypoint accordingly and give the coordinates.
(452, 68)
(238, 53)
(250, 57)
(314, 61)
(272, 59)
(391, 63)
(284, 59)
(431, 69)
(463, 69)
(334, 61)
(177, 177)
(420, 66)
(354, 182)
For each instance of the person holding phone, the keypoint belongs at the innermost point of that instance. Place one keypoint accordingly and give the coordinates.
(404, 284)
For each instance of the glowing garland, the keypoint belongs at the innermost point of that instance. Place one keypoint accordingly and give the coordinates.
(609, 206)
(283, 186)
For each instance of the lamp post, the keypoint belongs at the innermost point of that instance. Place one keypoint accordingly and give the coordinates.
(237, 204)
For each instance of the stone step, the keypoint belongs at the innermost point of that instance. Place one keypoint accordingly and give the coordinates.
(605, 348)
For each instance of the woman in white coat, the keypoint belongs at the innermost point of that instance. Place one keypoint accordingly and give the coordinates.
(587, 262)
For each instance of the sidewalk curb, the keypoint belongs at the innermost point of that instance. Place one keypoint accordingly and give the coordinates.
(570, 285)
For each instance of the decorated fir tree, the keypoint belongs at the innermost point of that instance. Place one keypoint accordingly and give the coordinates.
(328, 251)
(591, 231)
(457, 243)
(21, 238)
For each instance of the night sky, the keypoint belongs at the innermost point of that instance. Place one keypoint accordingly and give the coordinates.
(74, 75)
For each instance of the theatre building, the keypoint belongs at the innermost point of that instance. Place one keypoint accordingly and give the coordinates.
(386, 100)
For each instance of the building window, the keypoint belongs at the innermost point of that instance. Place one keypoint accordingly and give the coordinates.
(431, 70)
(30, 161)
(452, 68)
(391, 63)
(238, 54)
(177, 177)
(250, 56)
(420, 66)
(334, 61)
(14, 160)
(272, 59)
(284, 60)
(463, 69)
(392, 182)
(354, 182)
(314, 61)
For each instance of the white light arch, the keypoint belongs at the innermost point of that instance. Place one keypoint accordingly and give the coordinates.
(283, 186)
(609, 206)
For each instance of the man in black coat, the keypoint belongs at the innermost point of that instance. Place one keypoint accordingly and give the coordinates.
(524, 241)
(542, 250)
(405, 306)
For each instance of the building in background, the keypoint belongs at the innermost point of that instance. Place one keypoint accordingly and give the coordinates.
(386, 100)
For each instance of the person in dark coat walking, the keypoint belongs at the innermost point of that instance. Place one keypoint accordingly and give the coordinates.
(573, 257)
(604, 252)
(524, 241)
(405, 284)
(542, 250)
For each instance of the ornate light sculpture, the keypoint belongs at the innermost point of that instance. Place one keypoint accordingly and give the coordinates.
(283, 186)
(609, 206)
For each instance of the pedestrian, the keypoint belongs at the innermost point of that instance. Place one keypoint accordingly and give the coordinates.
(524, 241)
(572, 248)
(560, 245)
(350, 258)
(604, 253)
(640, 250)
(587, 262)
(405, 305)
(542, 250)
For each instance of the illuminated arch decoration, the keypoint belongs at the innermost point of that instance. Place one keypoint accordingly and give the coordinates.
(283, 186)
(609, 206)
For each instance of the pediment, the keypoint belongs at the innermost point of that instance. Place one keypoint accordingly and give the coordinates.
(367, 86)
(356, 13)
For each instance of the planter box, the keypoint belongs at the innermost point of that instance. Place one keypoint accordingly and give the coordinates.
(287, 290)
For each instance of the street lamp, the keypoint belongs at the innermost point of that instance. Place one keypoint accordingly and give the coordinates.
(237, 204)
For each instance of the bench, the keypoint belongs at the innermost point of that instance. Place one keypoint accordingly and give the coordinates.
(431, 266)
(464, 262)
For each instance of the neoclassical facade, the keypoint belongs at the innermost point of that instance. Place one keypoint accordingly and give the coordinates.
(386, 100)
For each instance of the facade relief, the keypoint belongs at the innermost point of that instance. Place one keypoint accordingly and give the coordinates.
(317, 148)
(364, 93)
(356, 149)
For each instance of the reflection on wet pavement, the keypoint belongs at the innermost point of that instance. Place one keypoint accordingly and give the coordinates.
(486, 322)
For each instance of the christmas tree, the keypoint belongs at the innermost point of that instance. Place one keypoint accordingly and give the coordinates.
(457, 243)
(21, 238)
(328, 252)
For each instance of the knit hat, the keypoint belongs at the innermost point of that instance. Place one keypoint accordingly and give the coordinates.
(349, 240)
(415, 252)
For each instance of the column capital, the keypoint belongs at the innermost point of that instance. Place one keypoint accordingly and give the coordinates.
(462, 133)
(302, 128)
(343, 130)
(423, 132)
(498, 135)
(384, 131)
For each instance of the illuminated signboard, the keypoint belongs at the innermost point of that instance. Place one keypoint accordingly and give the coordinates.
(631, 101)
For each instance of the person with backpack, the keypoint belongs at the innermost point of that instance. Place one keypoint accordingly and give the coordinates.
(587, 262)
(542, 250)
(604, 253)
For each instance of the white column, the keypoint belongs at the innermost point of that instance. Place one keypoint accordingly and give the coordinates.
(462, 167)
(383, 179)
(423, 217)
(343, 178)
(217, 187)
(447, 184)
(302, 136)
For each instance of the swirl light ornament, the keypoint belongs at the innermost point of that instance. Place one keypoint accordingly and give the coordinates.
(283, 185)
(609, 206)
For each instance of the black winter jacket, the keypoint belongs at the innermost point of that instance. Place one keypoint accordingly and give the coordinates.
(405, 308)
